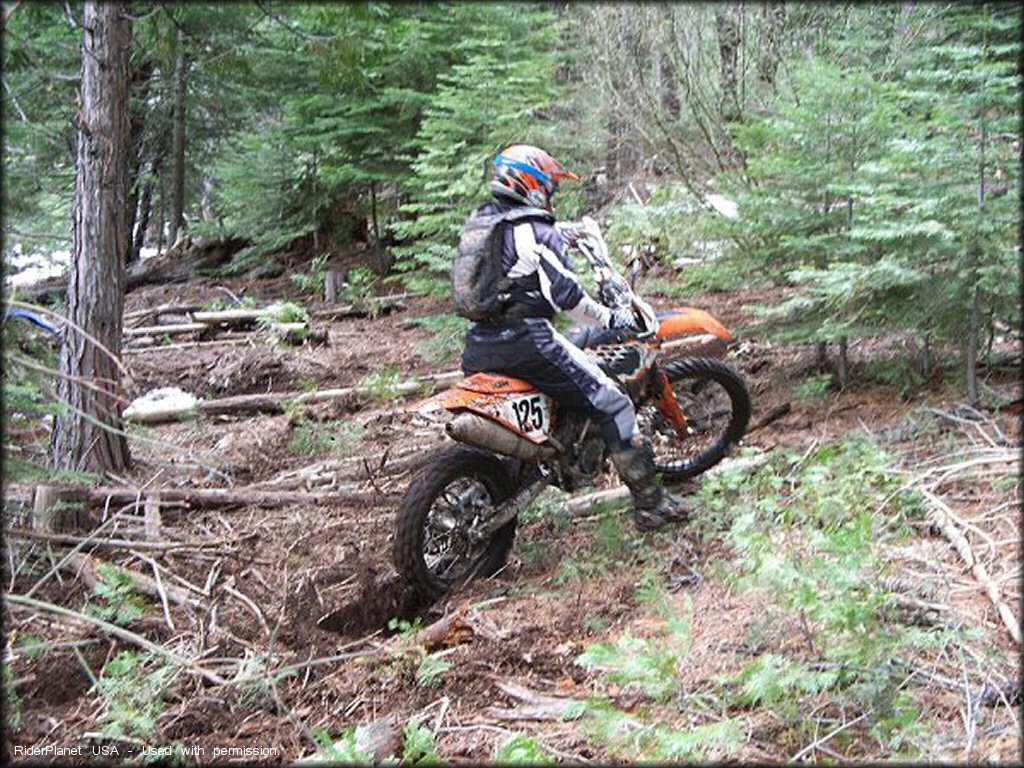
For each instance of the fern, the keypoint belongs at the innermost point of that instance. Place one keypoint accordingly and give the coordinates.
(418, 746)
(134, 698)
(117, 588)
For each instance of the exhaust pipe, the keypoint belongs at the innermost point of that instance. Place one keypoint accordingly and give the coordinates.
(473, 429)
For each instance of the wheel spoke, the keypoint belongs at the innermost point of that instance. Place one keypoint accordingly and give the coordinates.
(448, 546)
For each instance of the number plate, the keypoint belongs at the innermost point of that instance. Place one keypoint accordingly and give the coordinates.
(530, 414)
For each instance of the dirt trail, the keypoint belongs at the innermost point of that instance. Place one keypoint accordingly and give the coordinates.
(565, 587)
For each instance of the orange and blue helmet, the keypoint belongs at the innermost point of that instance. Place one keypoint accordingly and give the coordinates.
(528, 175)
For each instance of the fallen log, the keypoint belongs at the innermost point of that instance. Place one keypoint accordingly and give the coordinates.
(223, 497)
(774, 415)
(167, 330)
(275, 402)
(119, 632)
(248, 339)
(229, 316)
(580, 503)
(162, 309)
(181, 263)
(87, 568)
(538, 706)
(380, 305)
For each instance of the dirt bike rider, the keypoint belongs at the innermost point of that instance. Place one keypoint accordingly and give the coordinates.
(520, 341)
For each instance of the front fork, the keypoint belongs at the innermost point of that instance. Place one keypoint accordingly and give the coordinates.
(668, 404)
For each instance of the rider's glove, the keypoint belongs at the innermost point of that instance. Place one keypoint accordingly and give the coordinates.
(570, 234)
(623, 318)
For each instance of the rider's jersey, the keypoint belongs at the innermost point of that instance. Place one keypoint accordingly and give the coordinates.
(534, 257)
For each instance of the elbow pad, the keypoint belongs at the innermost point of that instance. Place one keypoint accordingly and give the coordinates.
(588, 312)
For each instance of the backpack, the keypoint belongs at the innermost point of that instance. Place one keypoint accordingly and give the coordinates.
(479, 285)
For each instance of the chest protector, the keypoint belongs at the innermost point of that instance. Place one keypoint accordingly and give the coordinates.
(479, 285)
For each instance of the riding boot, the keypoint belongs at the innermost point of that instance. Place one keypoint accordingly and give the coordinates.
(653, 507)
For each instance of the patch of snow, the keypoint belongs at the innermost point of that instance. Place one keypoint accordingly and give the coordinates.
(160, 400)
(27, 268)
(728, 208)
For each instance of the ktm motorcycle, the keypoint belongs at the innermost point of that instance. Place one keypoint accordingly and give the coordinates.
(458, 517)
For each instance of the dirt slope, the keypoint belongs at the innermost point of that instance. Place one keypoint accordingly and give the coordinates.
(572, 580)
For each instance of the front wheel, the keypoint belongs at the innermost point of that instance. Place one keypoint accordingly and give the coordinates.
(715, 401)
(436, 542)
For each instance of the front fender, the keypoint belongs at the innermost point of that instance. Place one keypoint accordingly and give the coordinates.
(689, 321)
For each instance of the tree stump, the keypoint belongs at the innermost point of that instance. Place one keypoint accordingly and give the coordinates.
(60, 510)
(334, 282)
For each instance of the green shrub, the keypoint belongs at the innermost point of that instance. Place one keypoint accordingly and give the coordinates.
(313, 280)
(520, 749)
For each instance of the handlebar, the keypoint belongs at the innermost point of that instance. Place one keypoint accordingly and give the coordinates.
(613, 290)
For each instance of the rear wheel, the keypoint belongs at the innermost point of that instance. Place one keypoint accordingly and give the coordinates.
(715, 401)
(437, 544)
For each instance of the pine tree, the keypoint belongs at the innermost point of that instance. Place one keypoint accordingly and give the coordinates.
(497, 97)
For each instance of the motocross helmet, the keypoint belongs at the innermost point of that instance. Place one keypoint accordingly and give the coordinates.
(527, 175)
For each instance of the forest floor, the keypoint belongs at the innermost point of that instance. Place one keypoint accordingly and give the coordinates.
(291, 585)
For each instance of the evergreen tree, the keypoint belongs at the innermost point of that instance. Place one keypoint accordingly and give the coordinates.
(497, 97)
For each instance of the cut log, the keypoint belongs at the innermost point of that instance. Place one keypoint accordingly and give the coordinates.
(229, 316)
(163, 309)
(447, 631)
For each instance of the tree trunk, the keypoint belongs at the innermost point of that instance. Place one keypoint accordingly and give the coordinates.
(728, 32)
(141, 79)
(773, 21)
(821, 355)
(178, 148)
(843, 368)
(972, 350)
(145, 212)
(85, 439)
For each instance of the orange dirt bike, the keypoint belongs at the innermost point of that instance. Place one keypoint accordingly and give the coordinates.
(458, 517)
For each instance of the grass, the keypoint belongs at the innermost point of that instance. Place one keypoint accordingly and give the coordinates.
(448, 335)
(806, 539)
(382, 384)
(325, 438)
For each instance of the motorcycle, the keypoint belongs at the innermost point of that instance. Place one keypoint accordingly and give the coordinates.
(458, 518)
